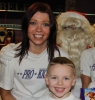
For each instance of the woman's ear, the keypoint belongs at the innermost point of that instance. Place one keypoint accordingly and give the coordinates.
(46, 79)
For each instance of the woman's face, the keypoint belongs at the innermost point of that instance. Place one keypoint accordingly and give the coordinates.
(39, 29)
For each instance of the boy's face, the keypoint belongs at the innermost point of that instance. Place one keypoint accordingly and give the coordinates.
(60, 79)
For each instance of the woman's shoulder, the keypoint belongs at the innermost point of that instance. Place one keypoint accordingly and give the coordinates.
(63, 52)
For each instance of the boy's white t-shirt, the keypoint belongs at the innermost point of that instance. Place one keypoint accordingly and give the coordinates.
(47, 97)
(27, 79)
(88, 63)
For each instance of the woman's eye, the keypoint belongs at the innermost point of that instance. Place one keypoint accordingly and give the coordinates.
(32, 23)
(46, 24)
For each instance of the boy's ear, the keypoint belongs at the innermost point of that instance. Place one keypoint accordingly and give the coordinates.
(74, 81)
(46, 79)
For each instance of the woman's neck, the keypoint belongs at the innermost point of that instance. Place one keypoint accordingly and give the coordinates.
(37, 49)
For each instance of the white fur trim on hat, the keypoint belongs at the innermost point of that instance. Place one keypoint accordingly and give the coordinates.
(72, 14)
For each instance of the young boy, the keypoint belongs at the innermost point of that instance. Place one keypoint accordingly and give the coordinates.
(60, 78)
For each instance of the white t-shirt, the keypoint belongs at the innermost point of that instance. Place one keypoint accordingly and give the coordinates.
(88, 63)
(27, 79)
(76, 89)
(92, 84)
(47, 97)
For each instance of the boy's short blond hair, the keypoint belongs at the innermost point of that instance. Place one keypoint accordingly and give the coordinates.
(62, 61)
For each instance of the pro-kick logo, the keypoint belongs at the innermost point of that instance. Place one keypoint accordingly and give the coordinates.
(29, 74)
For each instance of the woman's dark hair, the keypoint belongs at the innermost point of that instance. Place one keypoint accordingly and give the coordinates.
(51, 44)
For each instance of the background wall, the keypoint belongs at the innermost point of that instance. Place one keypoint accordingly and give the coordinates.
(11, 12)
(84, 6)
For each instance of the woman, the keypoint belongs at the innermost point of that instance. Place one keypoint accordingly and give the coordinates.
(24, 64)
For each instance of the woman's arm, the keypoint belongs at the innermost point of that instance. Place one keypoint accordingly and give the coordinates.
(86, 80)
(6, 95)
